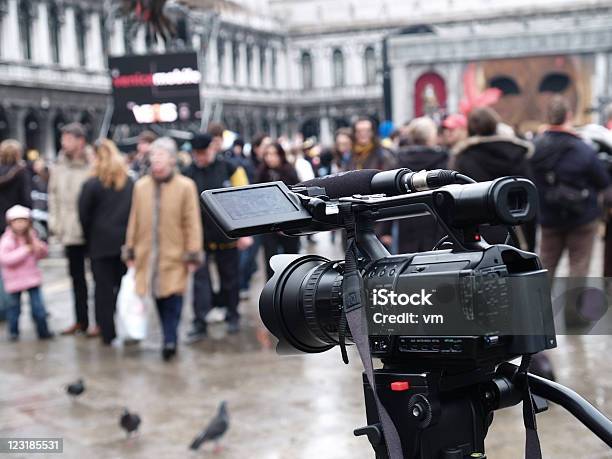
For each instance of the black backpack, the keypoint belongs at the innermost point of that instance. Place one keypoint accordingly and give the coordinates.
(567, 198)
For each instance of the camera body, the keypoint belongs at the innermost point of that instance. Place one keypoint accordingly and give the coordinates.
(497, 307)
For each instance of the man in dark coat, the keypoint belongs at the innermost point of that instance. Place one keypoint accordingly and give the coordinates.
(210, 170)
(565, 166)
(419, 234)
(486, 155)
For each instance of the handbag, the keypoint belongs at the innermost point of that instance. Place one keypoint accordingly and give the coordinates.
(567, 198)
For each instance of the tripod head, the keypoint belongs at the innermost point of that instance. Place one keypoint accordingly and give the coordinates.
(451, 421)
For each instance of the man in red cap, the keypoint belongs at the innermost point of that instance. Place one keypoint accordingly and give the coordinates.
(454, 130)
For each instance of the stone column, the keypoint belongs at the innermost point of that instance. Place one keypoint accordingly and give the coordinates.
(281, 68)
(117, 43)
(453, 87)
(94, 52)
(196, 41)
(17, 126)
(41, 40)
(212, 62)
(140, 43)
(272, 122)
(46, 134)
(255, 64)
(324, 129)
(600, 77)
(68, 48)
(10, 32)
(608, 92)
(242, 64)
(294, 69)
(228, 68)
(355, 65)
(267, 83)
(402, 94)
(322, 66)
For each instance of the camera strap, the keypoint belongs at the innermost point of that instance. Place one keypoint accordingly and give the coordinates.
(532, 441)
(352, 292)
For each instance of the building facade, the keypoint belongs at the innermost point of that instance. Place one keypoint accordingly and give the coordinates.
(52, 69)
(288, 66)
(529, 54)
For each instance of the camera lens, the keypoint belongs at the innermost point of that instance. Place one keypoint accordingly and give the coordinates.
(302, 303)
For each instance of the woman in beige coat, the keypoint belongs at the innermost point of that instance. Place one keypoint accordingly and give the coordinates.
(164, 237)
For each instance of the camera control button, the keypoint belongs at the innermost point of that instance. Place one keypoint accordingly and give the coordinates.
(382, 273)
(392, 272)
(399, 386)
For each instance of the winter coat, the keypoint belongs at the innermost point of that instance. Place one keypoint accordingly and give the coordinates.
(420, 157)
(14, 189)
(66, 180)
(575, 164)
(19, 264)
(164, 234)
(490, 157)
(104, 214)
(417, 234)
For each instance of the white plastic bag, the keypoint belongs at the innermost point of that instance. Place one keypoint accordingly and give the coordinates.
(131, 309)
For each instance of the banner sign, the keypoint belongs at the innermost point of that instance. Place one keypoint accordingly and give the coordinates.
(155, 88)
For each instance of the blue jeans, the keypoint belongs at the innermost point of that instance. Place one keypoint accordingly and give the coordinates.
(4, 301)
(169, 310)
(37, 307)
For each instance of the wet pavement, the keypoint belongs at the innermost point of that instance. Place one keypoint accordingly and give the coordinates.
(280, 407)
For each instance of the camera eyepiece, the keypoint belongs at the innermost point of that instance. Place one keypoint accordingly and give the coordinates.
(507, 201)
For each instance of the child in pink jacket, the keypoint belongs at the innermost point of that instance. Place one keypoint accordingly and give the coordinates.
(20, 250)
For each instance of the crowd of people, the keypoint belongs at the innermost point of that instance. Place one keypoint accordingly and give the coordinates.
(142, 211)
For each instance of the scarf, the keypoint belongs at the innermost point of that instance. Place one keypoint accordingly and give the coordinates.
(361, 153)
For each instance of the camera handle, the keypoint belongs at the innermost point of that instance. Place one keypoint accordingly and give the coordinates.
(573, 402)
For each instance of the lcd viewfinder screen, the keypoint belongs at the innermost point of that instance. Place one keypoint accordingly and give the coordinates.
(255, 202)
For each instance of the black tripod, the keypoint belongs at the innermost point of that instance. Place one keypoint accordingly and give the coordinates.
(447, 417)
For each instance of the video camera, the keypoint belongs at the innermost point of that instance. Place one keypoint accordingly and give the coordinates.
(302, 304)
(440, 382)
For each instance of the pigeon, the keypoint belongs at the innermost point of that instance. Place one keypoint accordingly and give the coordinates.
(129, 422)
(215, 429)
(76, 388)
